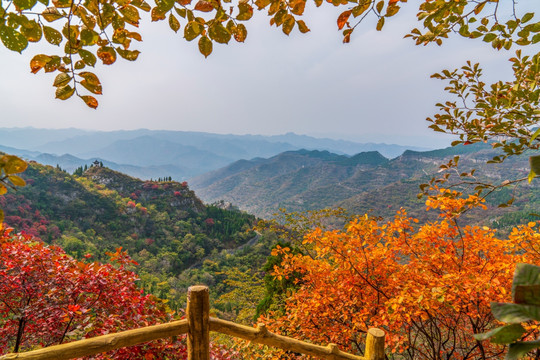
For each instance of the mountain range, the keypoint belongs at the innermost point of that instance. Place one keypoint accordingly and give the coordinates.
(365, 183)
(261, 174)
(158, 153)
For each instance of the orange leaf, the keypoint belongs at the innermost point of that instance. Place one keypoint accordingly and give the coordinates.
(204, 6)
(90, 101)
(342, 19)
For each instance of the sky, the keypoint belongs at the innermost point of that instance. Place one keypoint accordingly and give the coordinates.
(376, 88)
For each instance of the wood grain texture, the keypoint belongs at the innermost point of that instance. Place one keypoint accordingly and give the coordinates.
(103, 343)
(198, 313)
(375, 344)
(261, 335)
(198, 325)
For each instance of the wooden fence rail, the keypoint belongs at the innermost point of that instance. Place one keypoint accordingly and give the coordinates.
(197, 326)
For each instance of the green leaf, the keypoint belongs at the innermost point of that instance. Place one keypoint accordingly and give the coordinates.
(288, 24)
(91, 82)
(515, 313)
(24, 4)
(89, 37)
(192, 30)
(17, 180)
(502, 335)
(141, 4)
(525, 274)
(52, 36)
(205, 46)
(246, 11)
(131, 14)
(218, 33)
(62, 3)
(88, 58)
(527, 17)
(534, 161)
(489, 37)
(521, 348)
(61, 79)
(130, 55)
(361, 8)
(1, 211)
(535, 135)
(32, 31)
(92, 88)
(12, 39)
(64, 92)
(53, 64)
(181, 12)
(174, 23)
(165, 5)
(527, 294)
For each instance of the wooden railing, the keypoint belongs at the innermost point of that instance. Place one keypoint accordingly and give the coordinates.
(197, 326)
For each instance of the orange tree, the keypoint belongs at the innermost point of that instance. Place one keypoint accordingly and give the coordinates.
(428, 286)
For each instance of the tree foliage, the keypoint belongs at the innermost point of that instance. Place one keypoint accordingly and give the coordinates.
(162, 225)
(48, 298)
(428, 286)
(10, 165)
(522, 316)
(88, 30)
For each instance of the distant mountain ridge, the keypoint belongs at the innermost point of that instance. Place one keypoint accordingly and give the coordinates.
(366, 182)
(159, 153)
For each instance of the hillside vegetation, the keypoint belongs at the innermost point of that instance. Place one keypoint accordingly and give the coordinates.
(162, 225)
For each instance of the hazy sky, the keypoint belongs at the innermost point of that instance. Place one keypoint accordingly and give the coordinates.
(375, 88)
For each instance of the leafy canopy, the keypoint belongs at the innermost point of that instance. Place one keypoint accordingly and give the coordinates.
(49, 298)
(87, 30)
(429, 286)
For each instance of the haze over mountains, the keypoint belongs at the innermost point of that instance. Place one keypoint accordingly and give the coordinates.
(261, 174)
(159, 153)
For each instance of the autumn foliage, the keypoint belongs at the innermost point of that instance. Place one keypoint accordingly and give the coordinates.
(429, 287)
(49, 298)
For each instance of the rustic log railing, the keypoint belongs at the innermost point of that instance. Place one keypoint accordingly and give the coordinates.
(197, 325)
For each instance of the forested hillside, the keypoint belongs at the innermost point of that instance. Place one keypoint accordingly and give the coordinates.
(162, 225)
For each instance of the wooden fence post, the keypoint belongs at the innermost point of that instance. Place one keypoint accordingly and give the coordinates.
(198, 313)
(375, 344)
